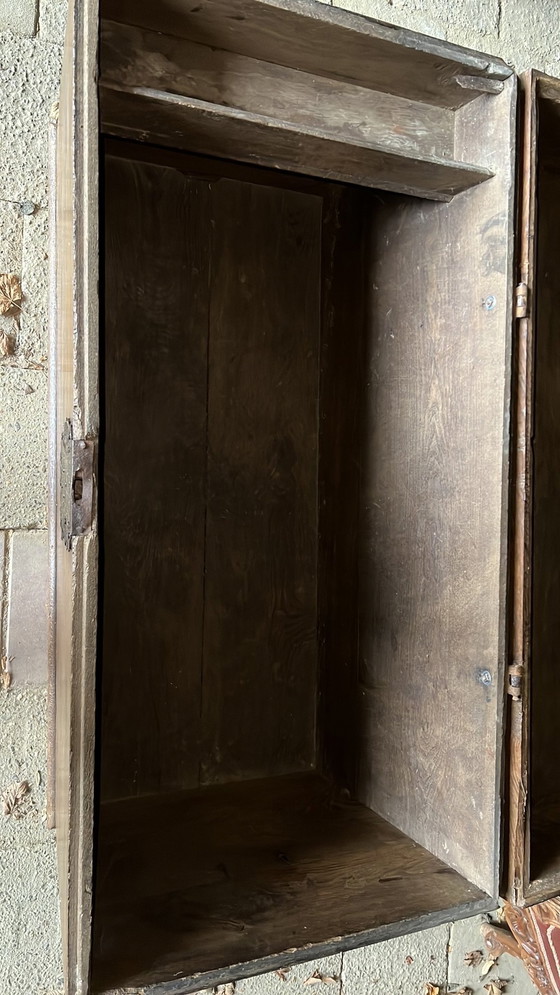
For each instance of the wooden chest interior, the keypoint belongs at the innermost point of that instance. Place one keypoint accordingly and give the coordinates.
(543, 562)
(306, 272)
(257, 718)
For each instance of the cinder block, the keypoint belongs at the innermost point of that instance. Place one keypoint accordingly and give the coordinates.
(30, 85)
(466, 938)
(30, 952)
(23, 757)
(23, 448)
(52, 21)
(402, 966)
(19, 16)
(33, 337)
(291, 979)
(463, 23)
(27, 608)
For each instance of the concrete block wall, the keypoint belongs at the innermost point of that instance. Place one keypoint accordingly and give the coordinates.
(525, 33)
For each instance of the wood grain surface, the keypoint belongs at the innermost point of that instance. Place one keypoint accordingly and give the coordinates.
(170, 119)
(135, 57)
(77, 360)
(545, 614)
(260, 618)
(157, 267)
(341, 444)
(321, 40)
(200, 881)
(434, 523)
(213, 311)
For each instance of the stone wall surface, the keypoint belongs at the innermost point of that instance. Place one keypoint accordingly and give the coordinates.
(525, 33)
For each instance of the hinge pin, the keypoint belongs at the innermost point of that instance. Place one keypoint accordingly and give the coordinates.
(521, 300)
(515, 681)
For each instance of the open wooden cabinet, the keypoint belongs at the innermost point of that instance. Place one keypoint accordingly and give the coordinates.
(287, 573)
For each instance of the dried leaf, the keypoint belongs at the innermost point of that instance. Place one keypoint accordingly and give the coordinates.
(5, 675)
(495, 987)
(432, 989)
(462, 991)
(7, 344)
(487, 967)
(13, 797)
(10, 293)
(409, 960)
(317, 979)
(474, 958)
(282, 973)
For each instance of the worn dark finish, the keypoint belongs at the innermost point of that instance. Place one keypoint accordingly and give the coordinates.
(545, 614)
(342, 445)
(157, 269)
(321, 40)
(232, 873)
(135, 57)
(260, 616)
(301, 474)
(170, 119)
(534, 797)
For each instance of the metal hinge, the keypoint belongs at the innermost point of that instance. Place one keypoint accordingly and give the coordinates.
(515, 681)
(76, 485)
(521, 300)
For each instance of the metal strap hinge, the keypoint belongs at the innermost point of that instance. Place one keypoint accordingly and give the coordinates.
(76, 485)
(515, 681)
(521, 300)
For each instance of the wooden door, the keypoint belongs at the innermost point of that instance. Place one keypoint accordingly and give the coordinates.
(74, 358)
(533, 684)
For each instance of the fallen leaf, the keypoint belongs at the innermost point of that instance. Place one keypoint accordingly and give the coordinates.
(432, 989)
(474, 958)
(487, 967)
(13, 797)
(495, 987)
(10, 293)
(317, 979)
(7, 344)
(409, 960)
(282, 973)
(5, 675)
(462, 991)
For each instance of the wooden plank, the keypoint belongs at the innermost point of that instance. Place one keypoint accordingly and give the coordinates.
(545, 497)
(325, 41)
(434, 511)
(345, 280)
(260, 642)
(157, 266)
(76, 570)
(247, 870)
(171, 119)
(134, 57)
(518, 759)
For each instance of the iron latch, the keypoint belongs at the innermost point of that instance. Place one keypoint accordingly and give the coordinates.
(76, 485)
(515, 681)
(521, 300)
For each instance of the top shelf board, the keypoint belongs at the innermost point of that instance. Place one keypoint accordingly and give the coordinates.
(310, 36)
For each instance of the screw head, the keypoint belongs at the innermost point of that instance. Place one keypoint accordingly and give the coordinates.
(485, 677)
(489, 303)
(27, 207)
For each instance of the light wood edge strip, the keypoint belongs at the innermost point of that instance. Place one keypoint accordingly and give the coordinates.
(53, 464)
(518, 847)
